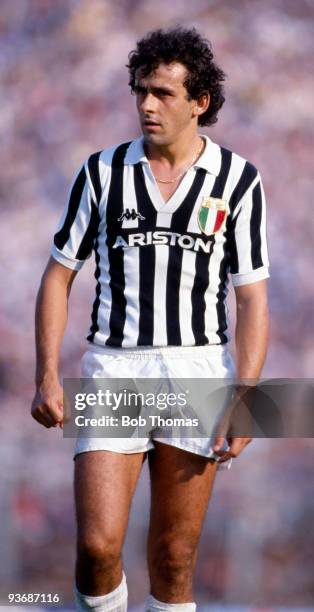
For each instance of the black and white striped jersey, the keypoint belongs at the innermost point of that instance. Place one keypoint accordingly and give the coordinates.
(162, 268)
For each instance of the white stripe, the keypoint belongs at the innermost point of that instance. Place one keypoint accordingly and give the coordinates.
(129, 197)
(105, 294)
(65, 209)
(90, 183)
(80, 224)
(185, 304)
(264, 250)
(152, 188)
(235, 172)
(131, 262)
(131, 259)
(242, 234)
(163, 219)
(160, 286)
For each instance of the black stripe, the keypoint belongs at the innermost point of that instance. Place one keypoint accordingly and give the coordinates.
(221, 306)
(144, 204)
(147, 260)
(218, 190)
(246, 179)
(93, 169)
(173, 297)
(63, 235)
(255, 228)
(118, 305)
(200, 286)
(179, 223)
(221, 179)
(230, 254)
(232, 244)
(255, 222)
(115, 256)
(95, 327)
(202, 263)
(91, 233)
(115, 195)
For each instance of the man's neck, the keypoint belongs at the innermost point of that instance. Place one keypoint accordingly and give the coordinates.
(175, 154)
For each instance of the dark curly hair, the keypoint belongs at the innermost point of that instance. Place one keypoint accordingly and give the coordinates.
(189, 48)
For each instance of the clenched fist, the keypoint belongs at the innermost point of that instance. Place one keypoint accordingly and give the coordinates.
(47, 406)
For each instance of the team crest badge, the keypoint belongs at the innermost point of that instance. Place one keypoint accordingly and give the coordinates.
(212, 215)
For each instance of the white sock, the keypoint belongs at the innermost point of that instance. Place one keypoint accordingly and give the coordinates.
(116, 601)
(153, 604)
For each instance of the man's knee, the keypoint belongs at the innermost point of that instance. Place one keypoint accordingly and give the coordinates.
(101, 551)
(172, 559)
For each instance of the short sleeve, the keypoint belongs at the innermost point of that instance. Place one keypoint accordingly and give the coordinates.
(75, 237)
(247, 238)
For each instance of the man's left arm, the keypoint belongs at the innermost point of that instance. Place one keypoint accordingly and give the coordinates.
(252, 329)
(247, 247)
(251, 337)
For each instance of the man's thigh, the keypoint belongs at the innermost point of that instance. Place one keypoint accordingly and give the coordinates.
(181, 485)
(104, 484)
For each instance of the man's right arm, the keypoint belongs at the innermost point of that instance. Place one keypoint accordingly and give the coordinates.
(51, 319)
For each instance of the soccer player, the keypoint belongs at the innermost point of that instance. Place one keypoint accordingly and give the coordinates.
(170, 216)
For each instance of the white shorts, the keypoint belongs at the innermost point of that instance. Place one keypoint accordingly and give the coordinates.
(211, 361)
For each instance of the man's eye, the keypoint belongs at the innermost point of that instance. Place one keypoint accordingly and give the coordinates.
(139, 91)
(164, 94)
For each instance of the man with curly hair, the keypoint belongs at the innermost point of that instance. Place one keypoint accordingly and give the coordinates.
(170, 216)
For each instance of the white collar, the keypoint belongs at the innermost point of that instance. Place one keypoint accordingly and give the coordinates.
(210, 159)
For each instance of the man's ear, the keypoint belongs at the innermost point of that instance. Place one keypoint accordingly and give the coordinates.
(201, 104)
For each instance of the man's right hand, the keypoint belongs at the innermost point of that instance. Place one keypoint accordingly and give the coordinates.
(47, 406)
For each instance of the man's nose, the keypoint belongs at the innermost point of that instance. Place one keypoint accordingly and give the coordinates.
(148, 103)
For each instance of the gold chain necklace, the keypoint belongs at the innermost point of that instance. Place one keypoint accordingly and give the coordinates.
(176, 178)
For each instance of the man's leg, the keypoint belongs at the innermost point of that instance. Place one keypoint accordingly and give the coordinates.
(181, 484)
(104, 484)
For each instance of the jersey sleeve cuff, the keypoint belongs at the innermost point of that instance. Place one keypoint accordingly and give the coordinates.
(250, 277)
(73, 264)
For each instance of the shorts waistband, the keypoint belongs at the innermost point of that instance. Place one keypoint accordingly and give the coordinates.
(162, 351)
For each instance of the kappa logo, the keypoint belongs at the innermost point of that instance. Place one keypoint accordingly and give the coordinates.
(127, 214)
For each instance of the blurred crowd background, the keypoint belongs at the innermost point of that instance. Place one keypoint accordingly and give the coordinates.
(64, 94)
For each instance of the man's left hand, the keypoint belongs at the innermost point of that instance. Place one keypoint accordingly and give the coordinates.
(236, 447)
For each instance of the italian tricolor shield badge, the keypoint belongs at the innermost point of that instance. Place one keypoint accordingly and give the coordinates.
(212, 215)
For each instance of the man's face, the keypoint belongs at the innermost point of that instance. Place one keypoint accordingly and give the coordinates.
(163, 104)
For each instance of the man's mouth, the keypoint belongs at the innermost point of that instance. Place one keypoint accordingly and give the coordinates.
(150, 123)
